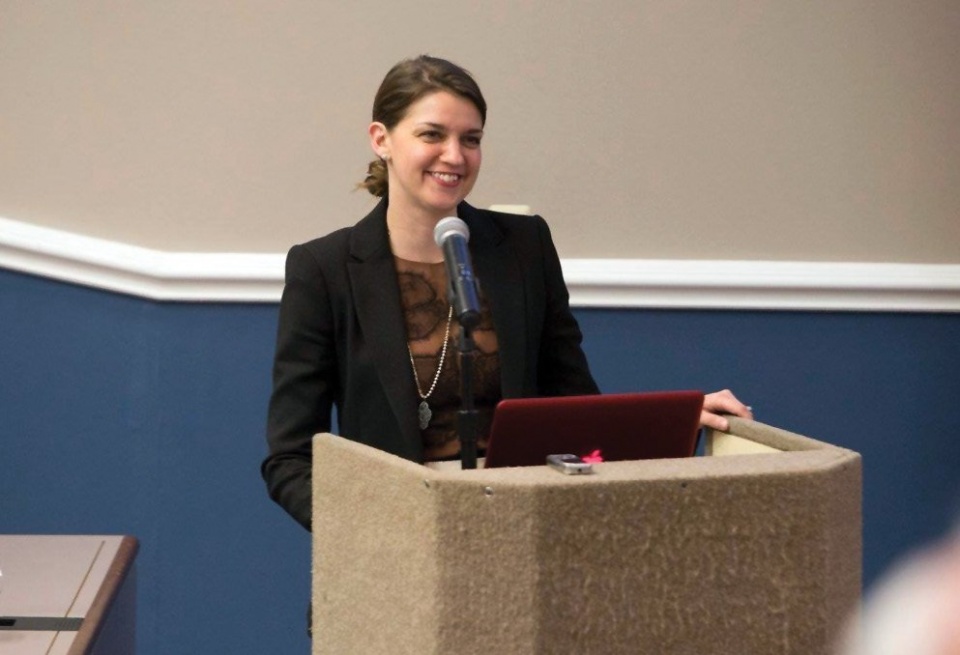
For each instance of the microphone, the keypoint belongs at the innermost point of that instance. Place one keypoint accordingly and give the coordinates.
(452, 235)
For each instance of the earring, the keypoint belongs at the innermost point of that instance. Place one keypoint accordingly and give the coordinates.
(385, 156)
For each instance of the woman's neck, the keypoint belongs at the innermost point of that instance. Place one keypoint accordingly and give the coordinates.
(411, 236)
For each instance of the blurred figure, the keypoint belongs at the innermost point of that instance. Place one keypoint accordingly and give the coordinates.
(915, 608)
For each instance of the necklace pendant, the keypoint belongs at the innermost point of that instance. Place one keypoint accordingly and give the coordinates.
(425, 414)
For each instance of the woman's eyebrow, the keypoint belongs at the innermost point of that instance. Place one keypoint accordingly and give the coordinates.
(440, 126)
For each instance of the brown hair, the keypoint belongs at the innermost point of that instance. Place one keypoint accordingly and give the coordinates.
(405, 84)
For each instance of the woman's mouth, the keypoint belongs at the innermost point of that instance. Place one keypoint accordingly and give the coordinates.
(447, 179)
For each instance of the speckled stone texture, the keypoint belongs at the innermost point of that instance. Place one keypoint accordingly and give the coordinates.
(739, 554)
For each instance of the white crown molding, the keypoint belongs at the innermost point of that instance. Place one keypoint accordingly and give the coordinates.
(764, 285)
(678, 284)
(153, 274)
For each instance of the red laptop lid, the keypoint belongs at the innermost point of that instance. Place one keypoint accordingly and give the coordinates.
(618, 426)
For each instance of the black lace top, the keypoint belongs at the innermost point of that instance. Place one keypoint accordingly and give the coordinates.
(424, 298)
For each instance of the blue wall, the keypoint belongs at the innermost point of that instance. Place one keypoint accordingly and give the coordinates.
(124, 416)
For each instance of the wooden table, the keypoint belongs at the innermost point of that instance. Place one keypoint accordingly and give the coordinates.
(67, 594)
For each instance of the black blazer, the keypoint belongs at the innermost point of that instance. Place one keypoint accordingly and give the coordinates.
(341, 343)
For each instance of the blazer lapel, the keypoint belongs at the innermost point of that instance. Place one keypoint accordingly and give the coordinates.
(373, 283)
(501, 279)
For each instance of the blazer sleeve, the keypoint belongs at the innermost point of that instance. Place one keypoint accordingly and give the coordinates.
(304, 384)
(562, 368)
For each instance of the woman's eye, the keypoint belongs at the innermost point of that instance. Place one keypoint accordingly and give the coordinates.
(472, 141)
(430, 135)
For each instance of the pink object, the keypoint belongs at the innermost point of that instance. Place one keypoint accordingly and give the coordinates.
(596, 457)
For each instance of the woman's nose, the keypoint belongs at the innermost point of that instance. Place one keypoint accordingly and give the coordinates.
(452, 152)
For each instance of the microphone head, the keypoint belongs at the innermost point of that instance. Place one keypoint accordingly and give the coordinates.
(448, 227)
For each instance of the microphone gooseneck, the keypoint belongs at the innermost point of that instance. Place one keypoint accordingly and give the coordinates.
(453, 235)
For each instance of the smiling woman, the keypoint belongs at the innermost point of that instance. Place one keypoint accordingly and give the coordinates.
(365, 322)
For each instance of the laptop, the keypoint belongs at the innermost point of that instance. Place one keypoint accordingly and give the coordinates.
(609, 427)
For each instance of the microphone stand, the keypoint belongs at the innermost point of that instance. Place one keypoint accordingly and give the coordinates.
(467, 417)
(452, 235)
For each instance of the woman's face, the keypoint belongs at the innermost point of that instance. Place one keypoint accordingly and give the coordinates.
(433, 154)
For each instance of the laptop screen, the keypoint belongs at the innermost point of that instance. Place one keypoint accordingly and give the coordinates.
(610, 427)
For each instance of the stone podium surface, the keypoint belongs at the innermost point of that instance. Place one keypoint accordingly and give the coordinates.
(752, 549)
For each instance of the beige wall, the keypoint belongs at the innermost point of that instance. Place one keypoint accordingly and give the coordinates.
(735, 129)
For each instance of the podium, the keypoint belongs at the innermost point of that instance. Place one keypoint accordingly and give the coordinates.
(67, 595)
(754, 548)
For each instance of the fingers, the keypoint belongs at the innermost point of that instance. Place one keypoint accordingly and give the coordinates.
(726, 403)
(722, 402)
(714, 421)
